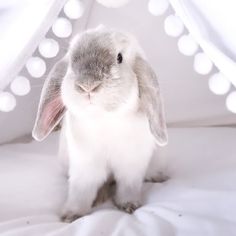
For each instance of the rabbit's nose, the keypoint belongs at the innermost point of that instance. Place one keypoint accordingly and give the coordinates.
(88, 87)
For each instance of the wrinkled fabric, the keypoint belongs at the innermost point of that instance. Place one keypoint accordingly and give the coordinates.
(198, 199)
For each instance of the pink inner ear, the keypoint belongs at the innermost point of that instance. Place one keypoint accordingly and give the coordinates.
(51, 114)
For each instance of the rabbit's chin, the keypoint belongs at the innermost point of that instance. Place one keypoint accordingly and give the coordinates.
(76, 103)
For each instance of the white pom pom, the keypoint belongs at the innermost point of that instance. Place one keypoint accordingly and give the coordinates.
(36, 66)
(113, 3)
(74, 9)
(101, 27)
(48, 48)
(202, 64)
(158, 7)
(187, 45)
(62, 28)
(231, 102)
(173, 26)
(7, 102)
(20, 86)
(219, 84)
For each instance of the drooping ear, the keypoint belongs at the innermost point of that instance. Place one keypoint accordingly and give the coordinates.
(150, 100)
(51, 108)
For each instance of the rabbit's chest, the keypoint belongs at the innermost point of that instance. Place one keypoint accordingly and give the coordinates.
(113, 136)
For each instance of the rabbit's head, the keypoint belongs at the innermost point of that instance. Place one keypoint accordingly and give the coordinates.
(100, 72)
(105, 70)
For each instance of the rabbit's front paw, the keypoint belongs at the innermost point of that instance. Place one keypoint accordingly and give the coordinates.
(128, 196)
(128, 207)
(69, 217)
(158, 178)
(70, 214)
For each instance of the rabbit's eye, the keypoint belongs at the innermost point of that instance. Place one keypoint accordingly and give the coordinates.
(119, 58)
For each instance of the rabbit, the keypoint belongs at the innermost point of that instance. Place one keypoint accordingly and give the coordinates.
(107, 97)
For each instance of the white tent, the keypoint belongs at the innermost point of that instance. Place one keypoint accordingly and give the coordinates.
(191, 46)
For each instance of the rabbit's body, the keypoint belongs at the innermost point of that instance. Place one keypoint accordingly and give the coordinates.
(113, 117)
(109, 135)
(102, 144)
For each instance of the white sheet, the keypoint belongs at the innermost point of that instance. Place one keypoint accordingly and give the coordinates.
(199, 199)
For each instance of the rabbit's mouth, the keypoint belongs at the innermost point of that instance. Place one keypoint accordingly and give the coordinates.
(85, 87)
(88, 90)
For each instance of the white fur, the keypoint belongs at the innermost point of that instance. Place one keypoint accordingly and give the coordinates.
(106, 134)
(108, 129)
(102, 143)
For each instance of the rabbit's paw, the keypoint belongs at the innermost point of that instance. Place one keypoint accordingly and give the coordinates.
(69, 217)
(128, 207)
(160, 177)
(70, 214)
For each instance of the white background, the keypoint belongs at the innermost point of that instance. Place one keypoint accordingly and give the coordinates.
(188, 100)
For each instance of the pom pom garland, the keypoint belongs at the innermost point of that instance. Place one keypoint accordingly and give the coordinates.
(187, 45)
(158, 7)
(20, 86)
(62, 28)
(49, 48)
(231, 102)
(202, 64)
(36, 67)
(7, 102)
(219, 84)
(173, 26)
(74, 9)
(113, 3)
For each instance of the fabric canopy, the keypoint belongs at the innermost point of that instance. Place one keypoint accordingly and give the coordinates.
(212, 24)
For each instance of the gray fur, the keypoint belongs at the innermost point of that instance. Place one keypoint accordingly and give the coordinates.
(93, 56)
(151, 100)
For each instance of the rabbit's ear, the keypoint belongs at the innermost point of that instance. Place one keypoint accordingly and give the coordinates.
(150, 100)
(51, 108)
